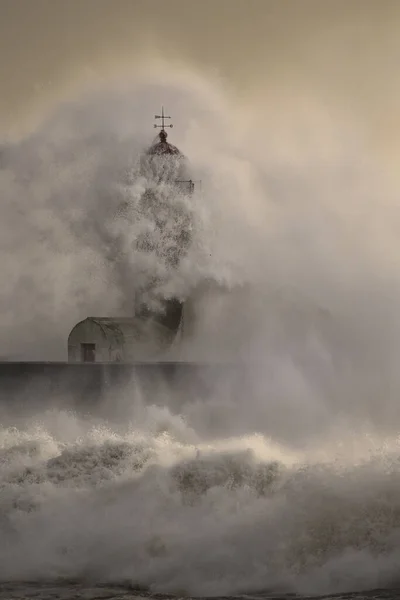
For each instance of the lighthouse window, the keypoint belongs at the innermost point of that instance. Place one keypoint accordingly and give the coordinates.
(88, 352)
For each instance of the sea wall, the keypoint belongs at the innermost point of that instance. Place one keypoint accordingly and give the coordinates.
(104, 388)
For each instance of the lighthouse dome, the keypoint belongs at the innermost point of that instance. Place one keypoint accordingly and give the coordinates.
(162, 147)
(163, 162)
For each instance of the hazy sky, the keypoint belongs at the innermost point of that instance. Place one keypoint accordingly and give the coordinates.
(348, 50)
(316, 71)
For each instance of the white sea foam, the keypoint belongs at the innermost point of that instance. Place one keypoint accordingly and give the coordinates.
(158, 507)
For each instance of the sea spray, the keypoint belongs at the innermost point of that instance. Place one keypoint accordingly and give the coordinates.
(287, 479)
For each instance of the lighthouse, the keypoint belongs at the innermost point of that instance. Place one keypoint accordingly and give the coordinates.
(163, 241)
(165, 200)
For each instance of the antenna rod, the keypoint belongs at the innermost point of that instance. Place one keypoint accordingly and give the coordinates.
(162, 117)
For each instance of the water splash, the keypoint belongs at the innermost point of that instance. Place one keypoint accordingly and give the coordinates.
(188, 517)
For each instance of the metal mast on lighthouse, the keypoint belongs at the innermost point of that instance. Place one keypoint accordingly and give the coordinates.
(161, 146)
(163, 133)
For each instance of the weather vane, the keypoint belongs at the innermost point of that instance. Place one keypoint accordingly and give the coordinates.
(162, 117)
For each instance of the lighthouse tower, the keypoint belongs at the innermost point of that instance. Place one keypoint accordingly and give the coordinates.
(166, 203)
(162, 240)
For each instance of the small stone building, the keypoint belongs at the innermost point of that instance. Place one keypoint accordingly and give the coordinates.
(110, 339)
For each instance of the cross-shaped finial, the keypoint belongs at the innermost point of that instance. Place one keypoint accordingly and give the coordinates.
(162, 117)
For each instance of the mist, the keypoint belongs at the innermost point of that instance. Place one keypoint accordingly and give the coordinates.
(294, 261)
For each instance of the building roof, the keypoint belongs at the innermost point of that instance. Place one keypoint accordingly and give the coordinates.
(123, 329)
(162, 147)
(117, 326)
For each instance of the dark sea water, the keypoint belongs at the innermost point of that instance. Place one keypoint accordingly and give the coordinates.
(79, 591)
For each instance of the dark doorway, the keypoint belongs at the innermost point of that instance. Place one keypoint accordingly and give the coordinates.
(88, 352)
